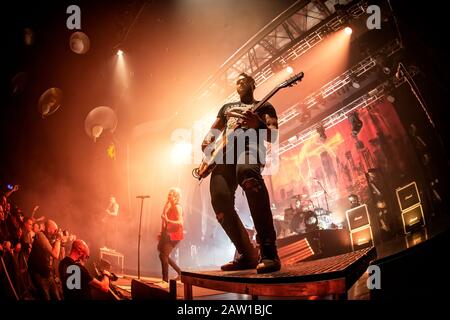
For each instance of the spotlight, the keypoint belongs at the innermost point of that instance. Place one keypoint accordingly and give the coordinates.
(292, 139)
(390, 98)
(354, 81)
(384, 64)
(119, 53)
(321, 131)
(348, 30)
(305, 114)
(355, 122)
(181, 153)
(356, 85)
(276, 66)
(320, 102)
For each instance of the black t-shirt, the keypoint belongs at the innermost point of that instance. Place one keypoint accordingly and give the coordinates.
(68, 282)
(41, 260)
(267, 108)
(240, 107)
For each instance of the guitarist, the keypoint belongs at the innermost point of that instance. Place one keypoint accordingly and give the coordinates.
(245, 170)
(171, 232)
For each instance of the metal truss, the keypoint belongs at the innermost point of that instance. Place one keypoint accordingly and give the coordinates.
(339, 83)
(294, 32)
(337, 117)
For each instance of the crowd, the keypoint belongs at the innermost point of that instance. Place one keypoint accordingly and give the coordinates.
(35, 255)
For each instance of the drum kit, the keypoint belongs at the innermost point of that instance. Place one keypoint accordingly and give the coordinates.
(303, 216)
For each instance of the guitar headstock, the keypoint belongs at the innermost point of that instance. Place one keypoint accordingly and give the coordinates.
(292, 80)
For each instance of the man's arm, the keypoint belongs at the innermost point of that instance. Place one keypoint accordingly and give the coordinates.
(216, 127)
(16, 188)
(164, 216)
(53, 250)
(56, 249)
(36, 208)
(265, 121)
(101, 285)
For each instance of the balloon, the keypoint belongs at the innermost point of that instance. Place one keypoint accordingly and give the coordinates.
(50, 101)
(100, 119)
(79, 42)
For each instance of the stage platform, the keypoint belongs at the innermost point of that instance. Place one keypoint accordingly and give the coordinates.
(328, 276)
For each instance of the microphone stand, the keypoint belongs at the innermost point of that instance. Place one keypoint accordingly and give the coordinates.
(326, 195)
(139, 238)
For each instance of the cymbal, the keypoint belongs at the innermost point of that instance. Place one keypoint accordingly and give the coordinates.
(50, 101)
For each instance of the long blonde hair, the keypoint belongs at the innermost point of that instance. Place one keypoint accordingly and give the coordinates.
(176, 194)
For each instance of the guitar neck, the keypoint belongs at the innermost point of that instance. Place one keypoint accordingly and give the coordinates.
(265, 99)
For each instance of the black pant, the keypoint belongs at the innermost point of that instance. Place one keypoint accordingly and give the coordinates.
(225, 179)
(47, 288)
(165, 248)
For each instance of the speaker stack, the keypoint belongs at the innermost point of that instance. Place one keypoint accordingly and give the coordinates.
(411, 207)
(360, 229)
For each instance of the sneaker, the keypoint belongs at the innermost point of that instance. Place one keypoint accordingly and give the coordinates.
(269, 262)
(268, 265)
(241, 263)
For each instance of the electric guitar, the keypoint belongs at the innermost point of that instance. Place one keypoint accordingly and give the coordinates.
(209, 163)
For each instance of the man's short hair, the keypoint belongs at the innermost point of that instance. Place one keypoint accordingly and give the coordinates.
(249, 79)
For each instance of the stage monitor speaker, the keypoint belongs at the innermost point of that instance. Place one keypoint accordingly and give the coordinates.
(141, 290)
(357, 217)
(413, 218)
(408, 196)
(361, 238)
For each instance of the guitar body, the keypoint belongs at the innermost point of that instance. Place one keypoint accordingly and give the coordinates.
(209, 163)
